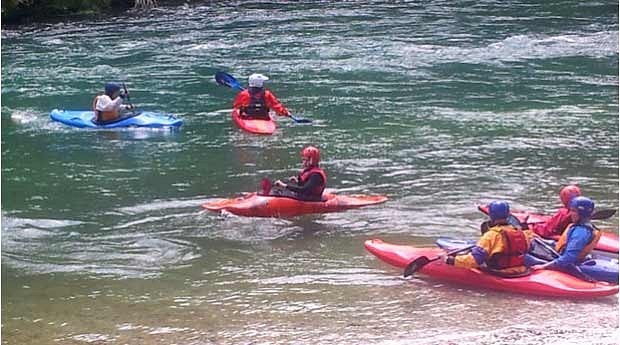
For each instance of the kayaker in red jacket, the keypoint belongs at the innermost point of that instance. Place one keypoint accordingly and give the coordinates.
(501, 249)
(560, 220)
(256, 101)
(311, 181)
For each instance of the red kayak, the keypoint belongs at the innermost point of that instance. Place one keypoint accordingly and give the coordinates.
(542, 282)
(253, 205)
(609, 241)
(256, 126)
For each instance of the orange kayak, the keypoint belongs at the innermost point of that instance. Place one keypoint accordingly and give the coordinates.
(256, 126)
(540, 282)
(254, 205)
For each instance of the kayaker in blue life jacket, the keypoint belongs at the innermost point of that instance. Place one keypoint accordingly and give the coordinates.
(577, 241)
(501, 249)
(108, 107)
(311, 181)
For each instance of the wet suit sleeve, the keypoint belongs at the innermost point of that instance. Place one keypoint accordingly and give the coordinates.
(487, 244)
(242, 100)
(272, 102)
(313, 182)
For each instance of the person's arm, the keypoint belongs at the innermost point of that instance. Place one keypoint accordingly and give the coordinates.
(478, 254)
(242, 100)
(578, 239)
(314, 181)
(104, 103)
(272, 102)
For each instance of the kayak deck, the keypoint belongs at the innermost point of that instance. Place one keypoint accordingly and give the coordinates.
(541, 282)
(255, 126)
(254, 205)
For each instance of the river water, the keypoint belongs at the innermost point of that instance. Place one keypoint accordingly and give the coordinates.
(439, 105)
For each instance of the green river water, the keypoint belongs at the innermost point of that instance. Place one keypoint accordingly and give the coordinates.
(440, 105)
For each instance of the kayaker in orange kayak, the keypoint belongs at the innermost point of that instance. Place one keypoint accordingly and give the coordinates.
(256, 101)
(561, 219)
(108, 107)
(501, 249)
(311, 181)
(578, 240)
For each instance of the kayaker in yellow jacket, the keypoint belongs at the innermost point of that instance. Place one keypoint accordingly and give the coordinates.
(501, 249)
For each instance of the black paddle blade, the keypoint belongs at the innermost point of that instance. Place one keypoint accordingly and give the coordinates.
(415, 266)
(603, 214)
(301, 120)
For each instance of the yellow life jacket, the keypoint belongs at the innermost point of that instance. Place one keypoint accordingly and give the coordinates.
(561, 244)
(103, 116)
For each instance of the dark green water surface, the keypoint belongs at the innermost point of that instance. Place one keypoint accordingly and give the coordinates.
(439, 105)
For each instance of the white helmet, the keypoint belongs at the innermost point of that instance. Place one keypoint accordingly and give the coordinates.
(257, 80)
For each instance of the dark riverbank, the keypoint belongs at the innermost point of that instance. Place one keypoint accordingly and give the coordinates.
(17, 12)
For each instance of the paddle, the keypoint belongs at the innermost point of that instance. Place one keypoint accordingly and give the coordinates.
(127, 94)
(226, 79)
(603, 214)
(422, 261)
(575, 270)
(265, 186)
(134, 112)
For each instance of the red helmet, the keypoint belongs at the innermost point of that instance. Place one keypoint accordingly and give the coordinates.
(312, 153)
(568, 193)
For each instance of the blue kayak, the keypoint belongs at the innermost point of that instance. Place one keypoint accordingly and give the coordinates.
(83, 119)
(598, 267)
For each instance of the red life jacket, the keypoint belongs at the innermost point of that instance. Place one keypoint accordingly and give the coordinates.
(304, 175)
(515, 248)
(257, 106)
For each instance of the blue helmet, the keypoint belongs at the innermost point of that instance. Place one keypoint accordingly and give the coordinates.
(584, 206)
(499, 210)
(111, 88)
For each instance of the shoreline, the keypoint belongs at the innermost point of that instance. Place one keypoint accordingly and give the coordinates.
(17, 13)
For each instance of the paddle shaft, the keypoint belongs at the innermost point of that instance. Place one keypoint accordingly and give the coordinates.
(422, 261)
(574, 270)
(453, 252)
(605, 213)
(127, 94)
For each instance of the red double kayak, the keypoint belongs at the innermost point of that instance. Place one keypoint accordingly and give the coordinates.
(541, 282)
(256, 126)
(609, 241)
(254, 205)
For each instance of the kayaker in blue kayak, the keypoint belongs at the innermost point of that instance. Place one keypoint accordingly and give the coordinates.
(108, 107)
(311, 181)
(577, 241)
(256, 101)
(501, 249)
